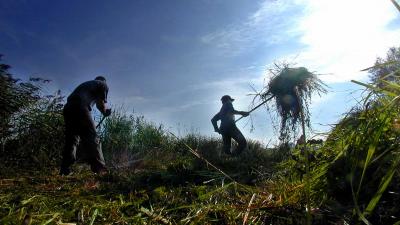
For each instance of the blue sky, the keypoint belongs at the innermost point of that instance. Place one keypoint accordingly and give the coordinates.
(172, 60)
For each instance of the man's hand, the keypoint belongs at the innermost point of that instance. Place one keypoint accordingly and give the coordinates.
(217, 130)
(244, 114)
(107, 112)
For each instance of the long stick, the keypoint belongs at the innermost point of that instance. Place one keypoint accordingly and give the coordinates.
(262, 103)
(101, 121)
(303, 127)
(396, 4)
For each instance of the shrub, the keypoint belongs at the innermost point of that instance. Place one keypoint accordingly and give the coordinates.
(31, 126)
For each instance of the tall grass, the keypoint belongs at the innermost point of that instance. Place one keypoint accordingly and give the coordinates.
(129, 138)
(378, 149)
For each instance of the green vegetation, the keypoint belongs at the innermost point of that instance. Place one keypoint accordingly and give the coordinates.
(158, 178)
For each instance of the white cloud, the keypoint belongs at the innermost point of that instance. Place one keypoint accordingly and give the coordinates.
(262, 27)
(342, 37)
(339, 37)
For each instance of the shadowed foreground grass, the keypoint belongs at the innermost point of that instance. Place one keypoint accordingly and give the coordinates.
(142, 197)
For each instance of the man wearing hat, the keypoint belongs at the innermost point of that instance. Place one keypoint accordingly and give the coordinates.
(228, 128)
(80, 127)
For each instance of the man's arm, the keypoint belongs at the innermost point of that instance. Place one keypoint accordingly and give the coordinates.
(102, 100)
(228, 108)
(214, 122)
(243, 113)
(101, 106)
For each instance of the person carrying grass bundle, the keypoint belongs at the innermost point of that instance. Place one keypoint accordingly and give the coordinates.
(228, 128)
(80, 127)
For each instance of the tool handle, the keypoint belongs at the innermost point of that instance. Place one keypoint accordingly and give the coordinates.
(262, 103)
(101, 121)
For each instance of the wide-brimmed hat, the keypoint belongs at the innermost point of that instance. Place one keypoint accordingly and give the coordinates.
(227, 97)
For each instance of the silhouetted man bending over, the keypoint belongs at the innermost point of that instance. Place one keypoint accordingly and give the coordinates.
(228, 128)
(80, 127)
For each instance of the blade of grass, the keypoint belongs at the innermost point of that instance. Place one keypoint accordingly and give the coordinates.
(28, 200)
(356, 207)
(371, 151)
(392, 85)
(96, 211)
(382, 187)
(51, 220)
(248, 209)
(380, 65)
(391, 94)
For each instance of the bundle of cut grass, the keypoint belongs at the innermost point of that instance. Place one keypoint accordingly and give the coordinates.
(292, 89)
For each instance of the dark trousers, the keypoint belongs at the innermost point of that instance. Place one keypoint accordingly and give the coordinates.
(80, 129)
(232, 132)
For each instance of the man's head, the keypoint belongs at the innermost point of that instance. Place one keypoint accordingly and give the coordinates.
(227, 98)
(100, 78)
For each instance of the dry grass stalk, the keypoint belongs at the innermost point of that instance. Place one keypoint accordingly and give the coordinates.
(194, 152)
(292, 89)
(248, 209)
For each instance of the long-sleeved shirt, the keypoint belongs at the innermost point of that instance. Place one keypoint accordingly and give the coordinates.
(226, 115)
(88, 93)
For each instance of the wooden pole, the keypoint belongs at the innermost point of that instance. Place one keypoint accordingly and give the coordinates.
(303, 127)
(262, 103)
(101, 121)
